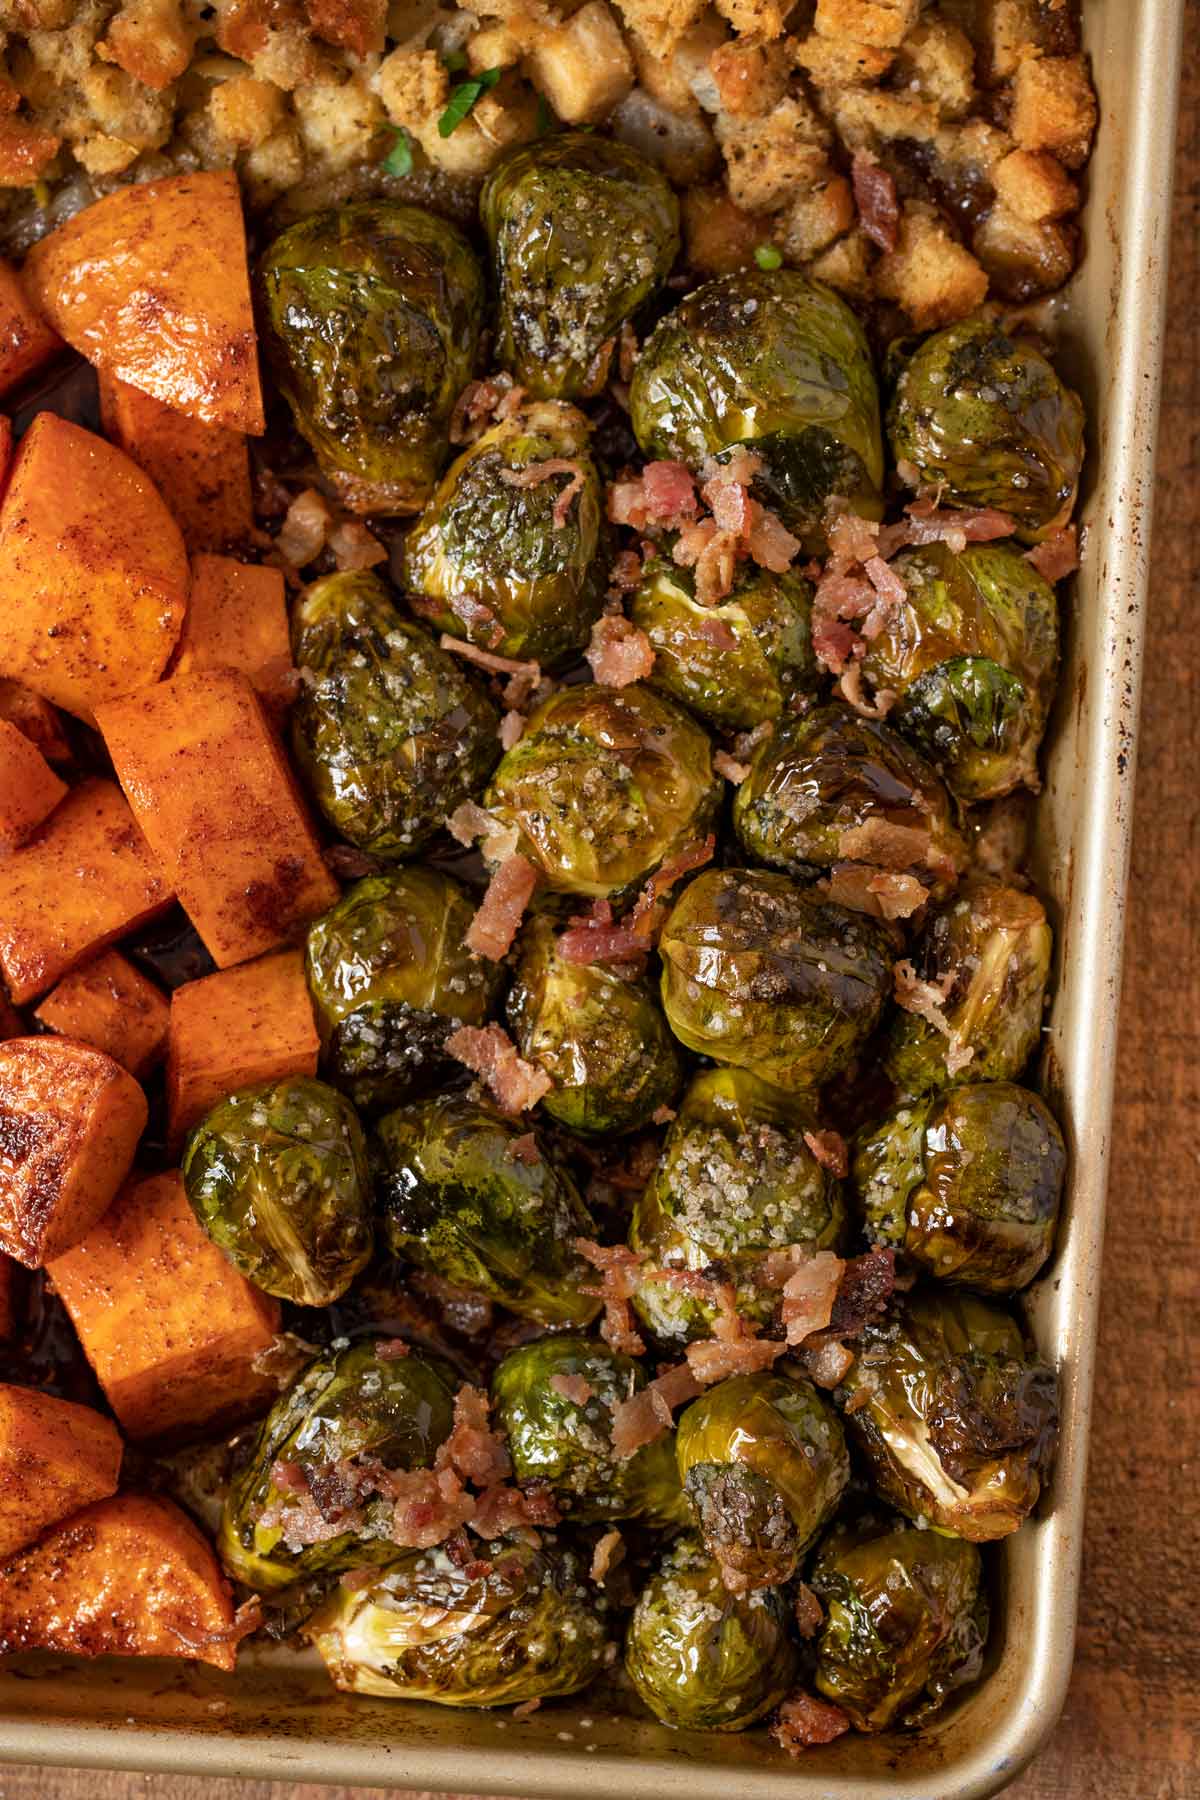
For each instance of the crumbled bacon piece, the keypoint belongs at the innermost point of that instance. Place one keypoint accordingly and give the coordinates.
(391, 1349)
(928, 523)
(525, 1149)
(618, 652)
(305, 529)
(662, 1115)
(512, 729)
(484, 659)
(851, 688)
(618, 1267)
(809, 1613)
(726, 765)
(502, 908)
(639, 1420)
(886, 844)
(644, 916)
(608, 1554)
(676, 1384)
(803, 1721)
(428, 1505)
(535, 473)
(770, 544)
(866, 1286)
(594, 937)
(477, 405)
(473, 1450)
(490, 1053)
(717, 633)
(734, 1348)
(1058, 556)
(827, 1363)
(809, 1294)
(881, 893)
(526, 1707)
(574, 1388)
(829, 1149)
(354, 547)
(662, 495)
(876, 200)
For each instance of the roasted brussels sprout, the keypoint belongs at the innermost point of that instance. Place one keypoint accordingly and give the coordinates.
(763, 1461)
(277, 1176)
(954, 1417)
(604, 786)
(351, 1413)
(983, 417)
(390, 978)
(583, 231)
(831, 787)
(762, 974)
(390, 732)
(984, 959)
(516, 1624)
(736, 1179)
(776, 362)
(554, 1400)
(474, 1198)
(906, 1623)
(736, 663)
(967, 1183)
(370, 321)
(703, 1658)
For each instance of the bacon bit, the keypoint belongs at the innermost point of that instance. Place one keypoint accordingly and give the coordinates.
(618, 652)
(473, 1450)
(663, 495)
(866, 1286)
(644, 917)
(829, 1149)
(1058, 556)
(875, 198)
(771, 545)
(810, 1614)
(354, 1580)
(349, 863)
(512, 729)
(888, 586)
(619, 1268)
(495, 665)
(428, 1506)
(926, 1000)
(305, 529)
(880, 893)
(391, 1349)
(828, 1363)
(715, 567)
(735, 1348)
(593, 937)
(851, 538)
(929, 523)
(885, 844)
(809, 1294)
(573, 1388)
(803, 1721)
(662, 1115)
(525, 1150)
(677, 1385)
(851, 689)
(354, 547)
(526, 1707)
(477, 405)
(534, 474)
(859, 1398)
(641, 1419)
(608, 1554)
(489, 1052)
(283, 1358)
(492, 930)
(733, 771)
(717, 633)
(288, 1477)
(625, 576)
(477, 617)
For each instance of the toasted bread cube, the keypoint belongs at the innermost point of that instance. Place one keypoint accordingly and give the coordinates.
(882, 22)
(36, 718)
(750, 77)
(929, 274)
(718, 236)
(661, 23)
(26, 341)
(1054, 107)
(87, 878)
(55, 1457)
(1035, 186)
(756, 18)
(237, 619)
(583, 67)
(767, 159)
(1024, 257)
(212, 790)
(868, 117)
(683, 78)
(236, 1029)
(129, 1576)
(847, 266)
(202, 471)
(112, 1006)
(815, 218)
(938, 60)
(29, 788)
(840, 62)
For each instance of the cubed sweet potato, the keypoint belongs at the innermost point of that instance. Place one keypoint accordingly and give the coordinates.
(203, 471)
(151, 284)
(212, 790)
(26, 341)
(92, 568)
(84, 880)
(55, 1457)
(6, 447)
(237, 619)
(70, 1121)
(233, 1030)
(29, 788)
(39, 721)
(130, 1576)
(112, 1006)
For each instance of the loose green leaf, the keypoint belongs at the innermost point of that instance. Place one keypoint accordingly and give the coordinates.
(463, 98)
(399, 159)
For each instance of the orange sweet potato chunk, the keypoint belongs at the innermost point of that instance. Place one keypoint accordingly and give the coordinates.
(211, 789)
(112, 1006)
(93, 570)
(55, 1457)
(29, 788)
(236, 1029)
(203, 471)
(84, 880)
(26, 341)
(36, 718)
(237, 619)
(129, 1576)
(151, 285)
(6, 447)
(70, 1121)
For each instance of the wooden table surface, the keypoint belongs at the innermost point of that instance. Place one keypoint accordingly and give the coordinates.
(1131, 1729)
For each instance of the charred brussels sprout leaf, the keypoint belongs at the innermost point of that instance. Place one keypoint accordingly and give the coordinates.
(763, 1461)
(735, 1180)
(390, 731)
(583, 231)
(604, 786)
(959, 1421)
(517, 1624)
(906, 1622)
(703, 1658)
(983, 416)
(554, 1400)
(762, 974)
(277, 1176)
(390, 978)
(474, 1198)
(371, 319)
(778, 363)
(350, 1413)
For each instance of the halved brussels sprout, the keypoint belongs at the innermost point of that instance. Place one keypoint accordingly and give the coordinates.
(554, 1399)
(474, 1198)
(761, 973)
(972, 654)
(982, 416)
(763, 1461)
(736, 663)
(985, 956)
(778, 363)
(277, 1176)
(967, 1183)
(831, 787)
(906, 1624)
(515, 1624)
(390, 732)
(351, 1412)
(390, 978)
(371, 319)
(735, 1180)
(955, 1418)
(583, 231)
(604, 786)
(703, 1658)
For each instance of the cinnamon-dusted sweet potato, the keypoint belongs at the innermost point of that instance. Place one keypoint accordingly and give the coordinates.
(70, 1120)
(202, 471)
(6, 446)
(55, 1457)
(236, 1029)
(85, 879)
(112, 1006)
(212, 790)
(36, 718)
(93, 570)
(166, 1321)
(237, 619)
(130, 1576)
(151, 285)
(26, 341)
(29, 788)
